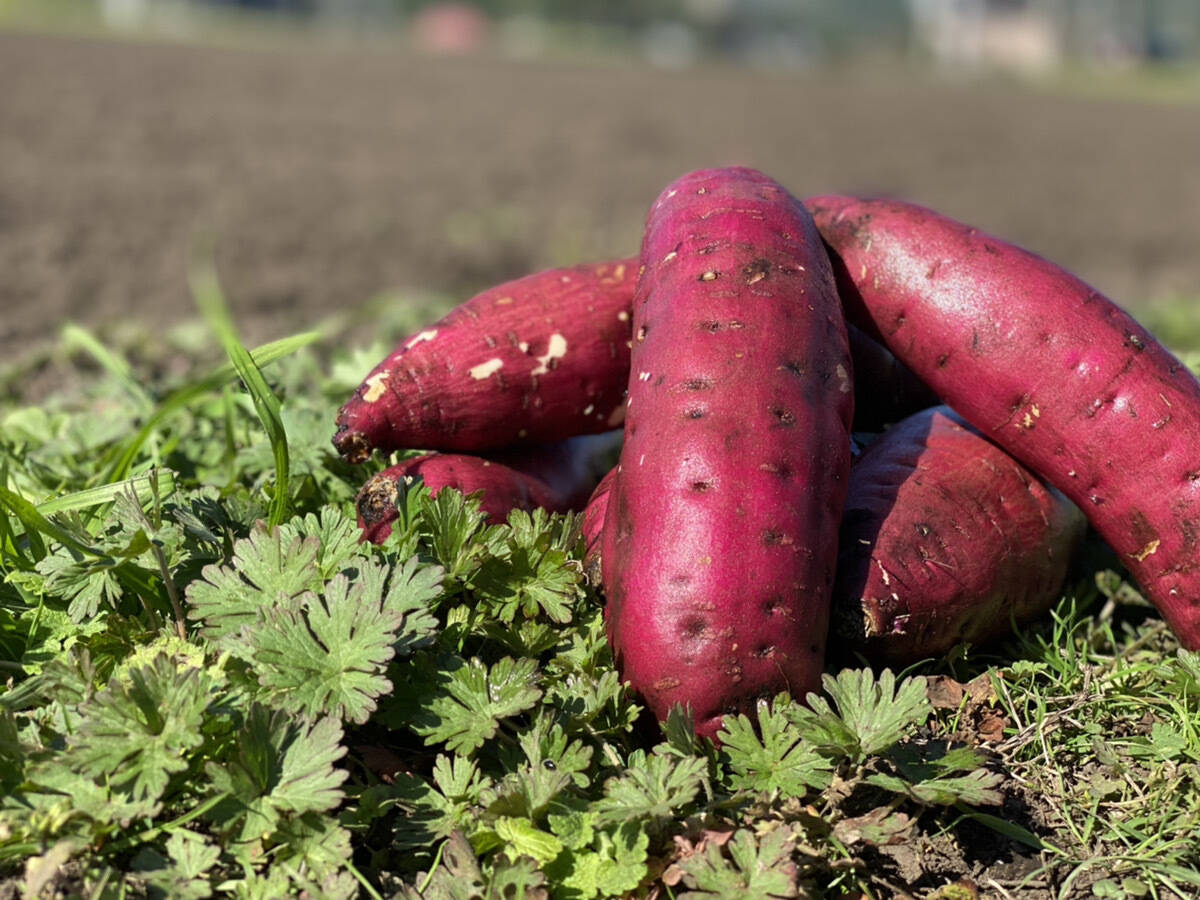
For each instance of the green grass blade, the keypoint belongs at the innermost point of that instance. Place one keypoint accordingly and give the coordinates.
(211, 301)
(1010, 830)
(182, 397)
(10, 552)
(160, 483)
(116, 365)
(35, 523)
(1176, 873)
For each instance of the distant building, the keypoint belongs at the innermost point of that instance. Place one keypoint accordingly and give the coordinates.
(1032, 35)
(1010, 34)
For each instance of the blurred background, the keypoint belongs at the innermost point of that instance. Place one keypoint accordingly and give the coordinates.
(347, 153)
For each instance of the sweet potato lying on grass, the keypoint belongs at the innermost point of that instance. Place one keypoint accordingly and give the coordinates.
(558, 477)
(541, 358)
(720, 534)
(1046, 367)
(945, 539)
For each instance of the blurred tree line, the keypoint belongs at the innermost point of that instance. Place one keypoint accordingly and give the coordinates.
(950, 30)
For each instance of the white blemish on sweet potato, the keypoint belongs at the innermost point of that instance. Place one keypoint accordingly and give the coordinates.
(1149, 550)
(376, 387)
(486, 369)
(556, 350)
(427, 335)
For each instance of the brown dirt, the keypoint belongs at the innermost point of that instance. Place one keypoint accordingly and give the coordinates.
(332, 174)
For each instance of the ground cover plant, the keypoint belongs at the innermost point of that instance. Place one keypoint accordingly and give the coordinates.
(213, 689)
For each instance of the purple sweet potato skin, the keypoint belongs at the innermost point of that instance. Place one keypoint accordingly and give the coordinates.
(945, 538)
(538, 359)
(1048, 368)
(592, 528)
(558, 477)
(719, 544)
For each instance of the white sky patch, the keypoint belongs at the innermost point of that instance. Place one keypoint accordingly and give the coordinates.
(556, 349)
(486, 369)
(845, 378)
(622, 316)
(423, 336)
(376, 387)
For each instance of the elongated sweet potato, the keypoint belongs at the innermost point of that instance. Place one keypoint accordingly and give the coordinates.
(1045, 366)
(538, 359)
(720, 535)
(945, 538)
(558, 477)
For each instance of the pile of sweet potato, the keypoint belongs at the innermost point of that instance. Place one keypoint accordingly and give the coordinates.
(1006, 404)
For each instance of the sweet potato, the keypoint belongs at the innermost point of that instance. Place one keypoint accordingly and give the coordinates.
(720, 535)
(538, 359)
(1047, 367)
(945, 539)
(557, 477)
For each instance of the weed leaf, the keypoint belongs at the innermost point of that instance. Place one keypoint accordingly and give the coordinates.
(474, 701)
(278, 766)
(134, 736)
(778, 760)
(653, 788)
(871, 715)
(761, 868)
(270, 569)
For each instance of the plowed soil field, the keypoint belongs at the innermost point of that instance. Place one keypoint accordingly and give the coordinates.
(328, 175)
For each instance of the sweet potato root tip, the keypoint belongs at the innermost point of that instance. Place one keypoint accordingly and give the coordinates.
(351, 445)
(377, 500)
